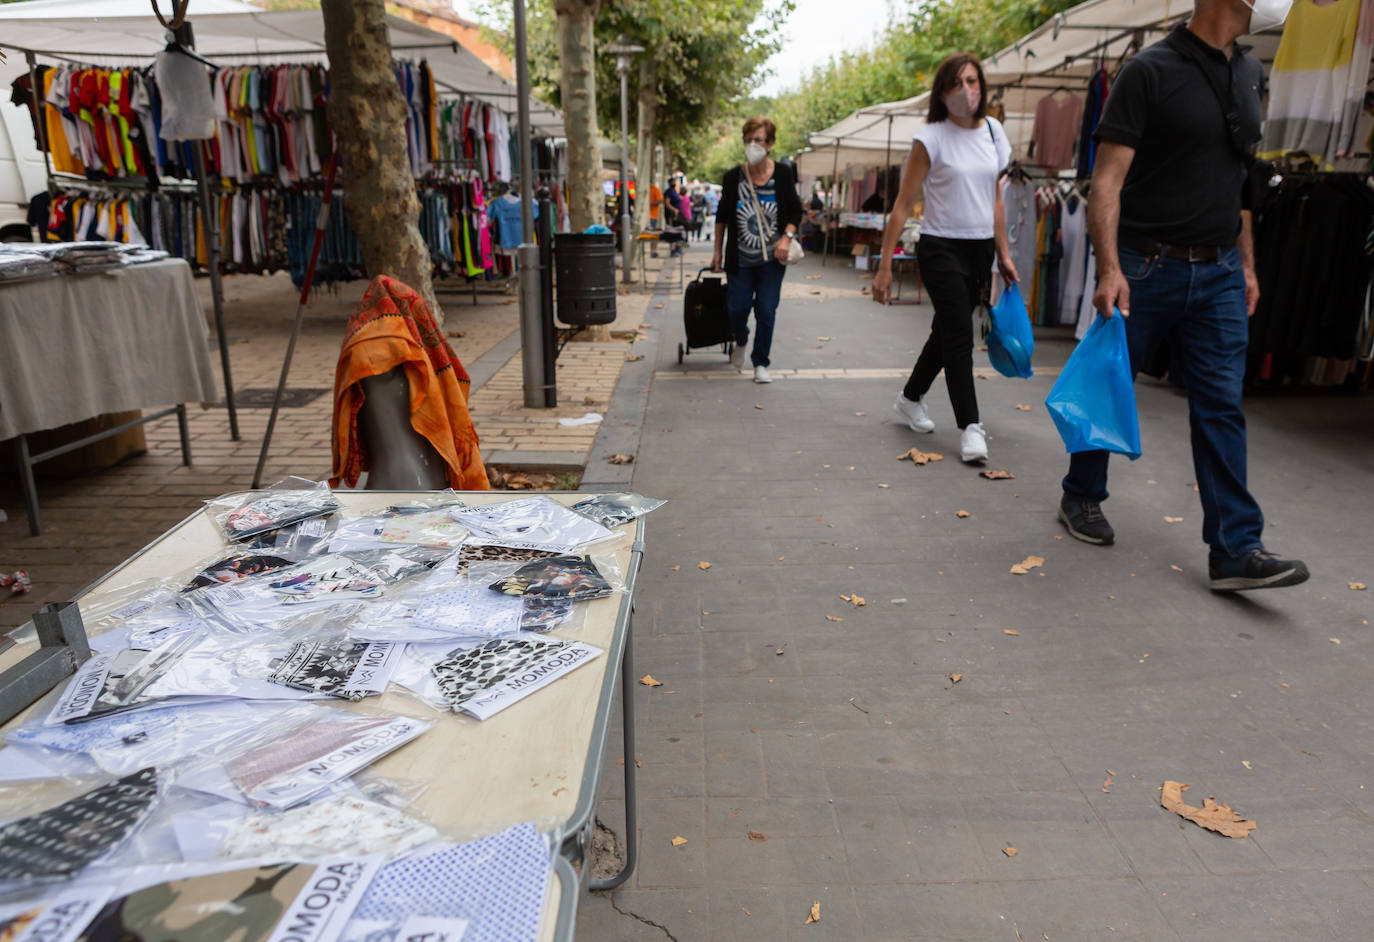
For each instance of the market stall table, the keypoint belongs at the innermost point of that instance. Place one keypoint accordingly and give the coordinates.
(79, 345)
(537, 760)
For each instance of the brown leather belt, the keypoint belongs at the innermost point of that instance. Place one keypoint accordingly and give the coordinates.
(1186, 253)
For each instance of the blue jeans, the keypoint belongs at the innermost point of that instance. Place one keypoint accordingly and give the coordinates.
(1200, 309)
(758, 288)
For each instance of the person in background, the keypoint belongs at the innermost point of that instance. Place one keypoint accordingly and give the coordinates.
(874, 204)
(759, 211)
(677, 212)
(957, 157)
(1171, 230)
(655, 215)
(698, 201)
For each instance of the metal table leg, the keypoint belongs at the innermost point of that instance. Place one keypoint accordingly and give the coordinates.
(627, 699)
(185, 433)
(21, 451)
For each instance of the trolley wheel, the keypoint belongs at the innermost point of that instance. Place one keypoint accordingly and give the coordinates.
(680, 352)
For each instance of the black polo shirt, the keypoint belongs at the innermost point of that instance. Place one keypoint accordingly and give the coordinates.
(1185, 183)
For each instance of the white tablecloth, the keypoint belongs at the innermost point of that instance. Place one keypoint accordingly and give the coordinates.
(78, 346)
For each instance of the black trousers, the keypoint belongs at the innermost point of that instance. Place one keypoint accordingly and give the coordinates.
(955, 272)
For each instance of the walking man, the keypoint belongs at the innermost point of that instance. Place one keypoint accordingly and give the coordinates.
(1176, 257)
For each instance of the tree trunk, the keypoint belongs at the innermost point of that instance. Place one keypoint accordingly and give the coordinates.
(647, 100)
(368, 116)
(577, 81)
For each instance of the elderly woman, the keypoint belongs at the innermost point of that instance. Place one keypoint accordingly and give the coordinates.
(756, 222)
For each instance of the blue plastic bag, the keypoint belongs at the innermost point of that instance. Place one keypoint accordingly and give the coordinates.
(1093, 401)
(1010, 341)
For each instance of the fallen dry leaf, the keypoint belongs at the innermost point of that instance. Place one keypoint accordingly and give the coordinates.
(1107, 785)
(861, 413)
(1027, 564)
(1334, 640)
(1009, 851)
(919, 457)
(634, 359)
(1011, 631)
(1212, 816)
(1003, 475)
(703, 565)
(1021, 406)
(858, 601)
(823, 339)
(757, 836)
(961, 513)
(1175, 568)
(1248, 766)
(638, 764)
(676, 568)
(679, 841)
(1059, 537)
(1357, 586)
(648, 681)
(814, 291)
(1173, 519)
(814, 915)
(813, 277)
(955, 678)
(833, 618)
(620, 459)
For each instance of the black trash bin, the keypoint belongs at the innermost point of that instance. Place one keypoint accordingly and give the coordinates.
(585, 264)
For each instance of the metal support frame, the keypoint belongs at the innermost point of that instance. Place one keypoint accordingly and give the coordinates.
(531, 323)
(832, 215)
(212, 232)
(26, 461)
(544, 229)
(627, 722)
(62, 649)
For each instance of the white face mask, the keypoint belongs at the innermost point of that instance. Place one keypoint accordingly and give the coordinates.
(1267, 13)
(754, 153)
(963, 102)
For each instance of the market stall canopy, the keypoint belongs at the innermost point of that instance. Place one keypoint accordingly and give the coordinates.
(861, 139)
(238, 33)
(1069, 47)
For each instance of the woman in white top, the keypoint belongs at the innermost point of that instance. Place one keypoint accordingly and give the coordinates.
(958, 156)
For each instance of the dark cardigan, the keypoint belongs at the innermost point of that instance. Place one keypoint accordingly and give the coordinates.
(789, 207)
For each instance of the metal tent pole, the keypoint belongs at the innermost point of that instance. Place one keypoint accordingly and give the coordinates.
(531, 321)
(321, 221)
(834, 186)
(216, 286)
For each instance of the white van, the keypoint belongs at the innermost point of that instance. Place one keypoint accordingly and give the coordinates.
(23, 172)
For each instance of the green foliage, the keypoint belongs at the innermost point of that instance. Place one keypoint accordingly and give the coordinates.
(707, 54)
(903, 62)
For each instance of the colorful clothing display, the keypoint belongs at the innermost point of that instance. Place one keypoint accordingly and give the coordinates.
(1317, 86)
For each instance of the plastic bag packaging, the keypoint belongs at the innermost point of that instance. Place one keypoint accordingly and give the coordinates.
(318, 582)
(574, 578)
(491, 888)
(421, 525)
(483, 679)
(349, 819)
(138, 615)
(56, 916)
(124, 742)
(1093, 401)
(339, 667)
(445, 604)
(248, 513)
(119, 680)
(532, 523)
(548, 614)
(611, 510)
(475, 553)
(246, 901)
(235, 566)
(1011, 340)
(304, 753)
(55, 840)
(20, 762)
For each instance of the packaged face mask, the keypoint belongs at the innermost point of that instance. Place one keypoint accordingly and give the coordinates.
(484, 679)
(245, 515)
(533, 523)
(611, 510)
(571, 578)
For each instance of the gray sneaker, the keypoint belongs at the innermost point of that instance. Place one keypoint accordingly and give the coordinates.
(914, 413)
(738, 356)
(1084, 520)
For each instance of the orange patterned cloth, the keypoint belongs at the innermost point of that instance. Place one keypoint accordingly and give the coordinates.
(392, 326)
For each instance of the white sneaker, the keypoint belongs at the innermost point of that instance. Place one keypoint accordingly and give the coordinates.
(973, 444)
(914, 413)
(761, 375)
(738, 355)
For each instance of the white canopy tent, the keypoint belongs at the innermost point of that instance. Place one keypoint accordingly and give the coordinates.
(236, 32)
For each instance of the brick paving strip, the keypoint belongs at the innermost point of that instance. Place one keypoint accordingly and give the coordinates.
(94, 521)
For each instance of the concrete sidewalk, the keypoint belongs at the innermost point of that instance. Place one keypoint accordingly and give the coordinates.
(885, 760)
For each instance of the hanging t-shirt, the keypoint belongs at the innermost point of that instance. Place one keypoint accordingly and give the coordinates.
(188, 110)
(961, 188)
(1057, 123)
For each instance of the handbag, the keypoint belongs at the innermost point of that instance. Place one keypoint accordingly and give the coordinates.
(794, 249)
